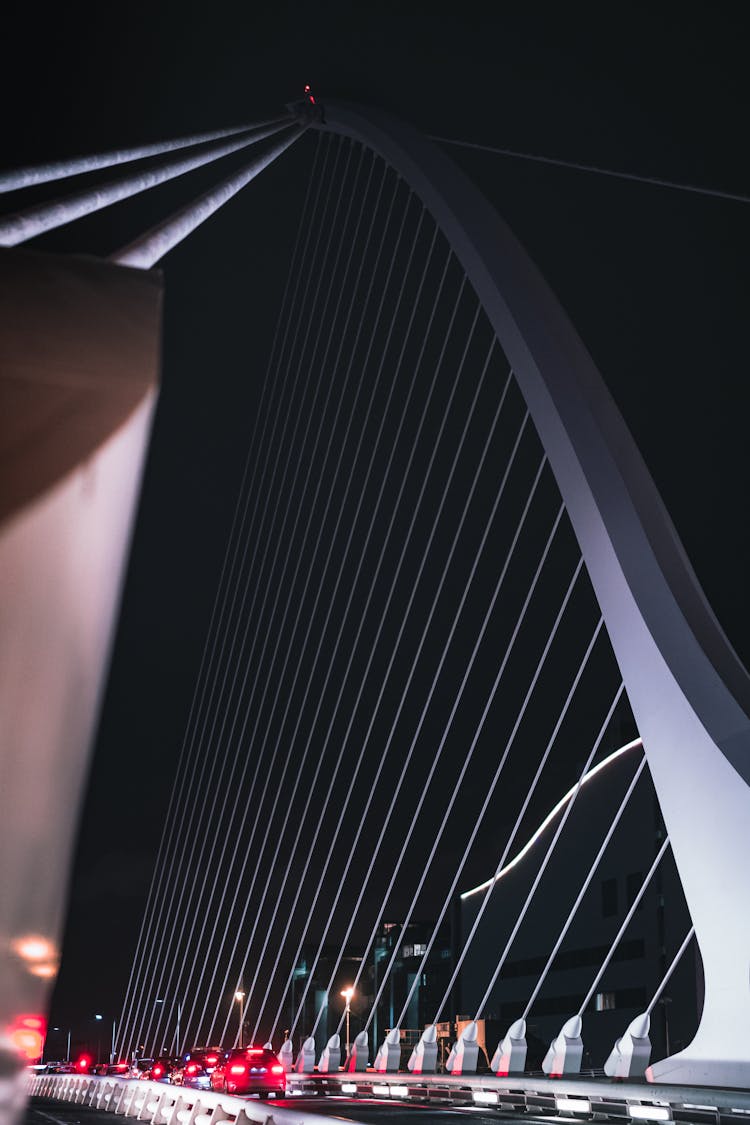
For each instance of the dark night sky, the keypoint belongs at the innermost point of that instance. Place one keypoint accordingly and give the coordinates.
(655, 281)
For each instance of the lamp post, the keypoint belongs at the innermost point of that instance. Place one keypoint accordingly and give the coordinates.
(98, 1019)
(347, 993)
(239, 997)
(67, 1057)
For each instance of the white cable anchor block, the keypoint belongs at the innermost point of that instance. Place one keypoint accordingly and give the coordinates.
(388, 1057)
(305, 1061)
(565, 1052)
(631, 1054)
(463, 1056)
(330, 1058)
(285, 1055)
(359, 1055)
(510, 1056)
(268, 1046)
(423, 1059)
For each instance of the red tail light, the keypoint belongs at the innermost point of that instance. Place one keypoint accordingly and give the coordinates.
(211, 1060)
(277, 1069)
(83, 1063)
(239, 1069)
(157, 1072)
(192, 1069)
(255, 1050)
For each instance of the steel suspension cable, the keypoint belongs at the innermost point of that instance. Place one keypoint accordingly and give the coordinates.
(498, 772)
(303, 647)
(586, 884)
(374, 643)
(278, 631)
(288, 760)
(322, 522)
(33, 174)
(625, 924)
(431, 692)
(354, 582)
(145, 251)
(493, 881)
(447, 729)
(395, 646)
(675, 962)
(254, 537)
(33, 221)
(236, 672)
(548, 855)
(221, 599)
(655, 181)
(383, 755)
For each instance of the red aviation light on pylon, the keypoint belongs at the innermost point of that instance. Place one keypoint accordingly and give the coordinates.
(309, 95)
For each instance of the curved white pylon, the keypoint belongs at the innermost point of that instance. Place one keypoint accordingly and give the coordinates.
(689, 693)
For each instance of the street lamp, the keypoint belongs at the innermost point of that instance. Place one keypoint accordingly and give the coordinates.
(239, 997)
(98, 1019)
(347, 993)
(67, 1057)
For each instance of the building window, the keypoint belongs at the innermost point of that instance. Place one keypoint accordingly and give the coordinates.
(407, 951)
(633, 884)
(609, 898)
(604, 1001)
(419, 949)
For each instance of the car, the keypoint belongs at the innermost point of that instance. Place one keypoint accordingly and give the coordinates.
(140, 1068)
(162, 1068)
(195, 1067)
(249, 1070)
(118, 1069)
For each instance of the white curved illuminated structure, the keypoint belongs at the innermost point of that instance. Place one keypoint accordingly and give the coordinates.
(554, 811)
(689, 692)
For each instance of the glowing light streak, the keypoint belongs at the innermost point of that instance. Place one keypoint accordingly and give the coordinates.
(552, 814)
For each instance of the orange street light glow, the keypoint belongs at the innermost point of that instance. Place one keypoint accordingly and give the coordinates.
(32, 947)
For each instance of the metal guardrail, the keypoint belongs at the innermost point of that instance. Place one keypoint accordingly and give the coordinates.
(567, 1098)
(161, 1104)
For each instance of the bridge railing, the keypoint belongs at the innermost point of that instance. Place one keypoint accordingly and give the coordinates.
(570, 1099)
(161, 1104)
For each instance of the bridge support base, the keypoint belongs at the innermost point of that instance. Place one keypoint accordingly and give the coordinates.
(423, 1059)
(565, 1052)
(510, 1056)
(463, 1056)
(388, 1058)
(630, 1054)
(285, 1056)
(359, 1054)
(305, 1061)
(330, 1057)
